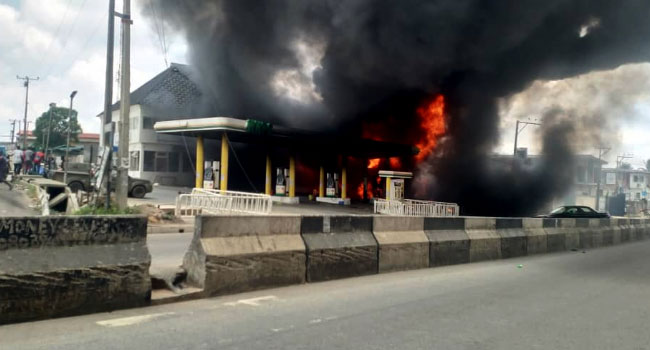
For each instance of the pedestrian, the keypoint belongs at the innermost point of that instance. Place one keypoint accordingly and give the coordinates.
(4, 170)
(38, 158)
(18, 160)
(28, 159)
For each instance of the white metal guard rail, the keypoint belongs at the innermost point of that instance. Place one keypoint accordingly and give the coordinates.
(410, 207)
(216, 201)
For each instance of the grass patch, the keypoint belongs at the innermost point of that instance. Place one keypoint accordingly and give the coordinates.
(101, 210)
(31, 192)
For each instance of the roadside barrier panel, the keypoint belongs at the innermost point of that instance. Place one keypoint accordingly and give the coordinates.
(536, 237)
(607, 231)
(616, 231)
(647, 227)
(339, 247)
(52, 266)
(571, 233)
(626, 230)
(402, 243)
(586, 233)
(555, 236)
(485, 243)
(231, 254)
(638, 232)
(514, 242)
(448, 241)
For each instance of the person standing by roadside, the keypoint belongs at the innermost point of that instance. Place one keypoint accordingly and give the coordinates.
(18, 160)
(27, 161)
(4, 170)
(38, 159)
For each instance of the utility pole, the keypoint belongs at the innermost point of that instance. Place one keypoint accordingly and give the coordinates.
(49, 130)
(26, 84)
(122, 186)
(107, 123)
(13, 128)
(517, 131)
(601, 152)
(67, 142)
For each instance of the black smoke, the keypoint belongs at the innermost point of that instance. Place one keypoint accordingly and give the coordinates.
(381, 59)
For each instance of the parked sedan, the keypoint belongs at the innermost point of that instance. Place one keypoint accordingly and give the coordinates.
(575, 211)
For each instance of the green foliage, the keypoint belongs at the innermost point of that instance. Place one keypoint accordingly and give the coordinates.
(101, 210)
(58, 127)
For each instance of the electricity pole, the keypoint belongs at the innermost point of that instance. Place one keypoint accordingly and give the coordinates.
(67, 142)
(601, 152)
(49, 130)
(517, 131)
(122, 186)
(107, 130)
(13, 128)
(26, 84)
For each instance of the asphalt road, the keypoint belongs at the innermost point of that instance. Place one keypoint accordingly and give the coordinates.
(594, 300)
(14, 203)
(167, 251)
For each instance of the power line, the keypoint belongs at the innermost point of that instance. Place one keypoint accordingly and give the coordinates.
(56, 34)
(66, 37)
(160, 31)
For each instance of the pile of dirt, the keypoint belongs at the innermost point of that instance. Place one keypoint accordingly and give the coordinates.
(156, 215)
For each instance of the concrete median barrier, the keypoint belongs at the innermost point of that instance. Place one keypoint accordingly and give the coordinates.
(586, 232)
(571, 233)
(536, 237)
(402, 243)
(514, 242)
(485, 243)
(230, 254)
(53, 266)
(448, 241)
(339, 247)
(555, 235)
(637, 230)
(607, 232)
(626, 230)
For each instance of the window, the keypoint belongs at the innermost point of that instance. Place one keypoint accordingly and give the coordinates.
(147, 123)
(173, 162)
(638, 195)
(161, 161)
(149, 160)
(134, 162)
(587, 210)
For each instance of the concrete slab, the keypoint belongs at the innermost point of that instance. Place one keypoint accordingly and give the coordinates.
(402, 243)
(448, 241)
(485, 243)
(339, 247)
(514, 241)
(536, 237)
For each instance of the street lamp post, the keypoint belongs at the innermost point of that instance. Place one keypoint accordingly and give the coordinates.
(47, 139)
(518, 130)
(67, 143)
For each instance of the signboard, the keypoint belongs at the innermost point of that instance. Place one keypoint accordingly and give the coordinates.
(99, 175)
(610, 178)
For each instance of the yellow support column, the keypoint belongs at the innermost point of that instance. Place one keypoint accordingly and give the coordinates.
(321, 183)
(223, 184)
(198, 183)
(344, 182)
(292, 176)
(388, 188)
(267, 187)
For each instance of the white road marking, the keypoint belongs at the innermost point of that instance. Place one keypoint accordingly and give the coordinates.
(314, 321)
(127, 321)
(252, 301)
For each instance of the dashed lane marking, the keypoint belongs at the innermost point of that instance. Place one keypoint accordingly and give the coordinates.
(128, 321)
(252, 301)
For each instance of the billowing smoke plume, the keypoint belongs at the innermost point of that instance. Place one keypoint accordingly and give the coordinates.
(331, 64)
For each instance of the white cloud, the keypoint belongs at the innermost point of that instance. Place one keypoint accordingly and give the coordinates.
(73, 59)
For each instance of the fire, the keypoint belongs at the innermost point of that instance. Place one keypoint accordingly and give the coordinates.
(395, 163)
(373, 163)
(369, 192)
(432, 122)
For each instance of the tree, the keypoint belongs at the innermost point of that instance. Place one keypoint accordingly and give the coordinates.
(58, 128)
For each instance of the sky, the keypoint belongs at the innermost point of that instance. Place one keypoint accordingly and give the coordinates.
(63, 42)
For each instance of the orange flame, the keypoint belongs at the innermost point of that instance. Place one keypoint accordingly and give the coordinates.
(369, 191)
(395, 163)
(432, 122)
(373, 163)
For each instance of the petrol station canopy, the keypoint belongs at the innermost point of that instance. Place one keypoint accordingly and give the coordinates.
(257, 132)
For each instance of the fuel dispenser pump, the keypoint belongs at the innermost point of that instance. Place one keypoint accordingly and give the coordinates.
(331, 187)
(280, 182)
(211, 174)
